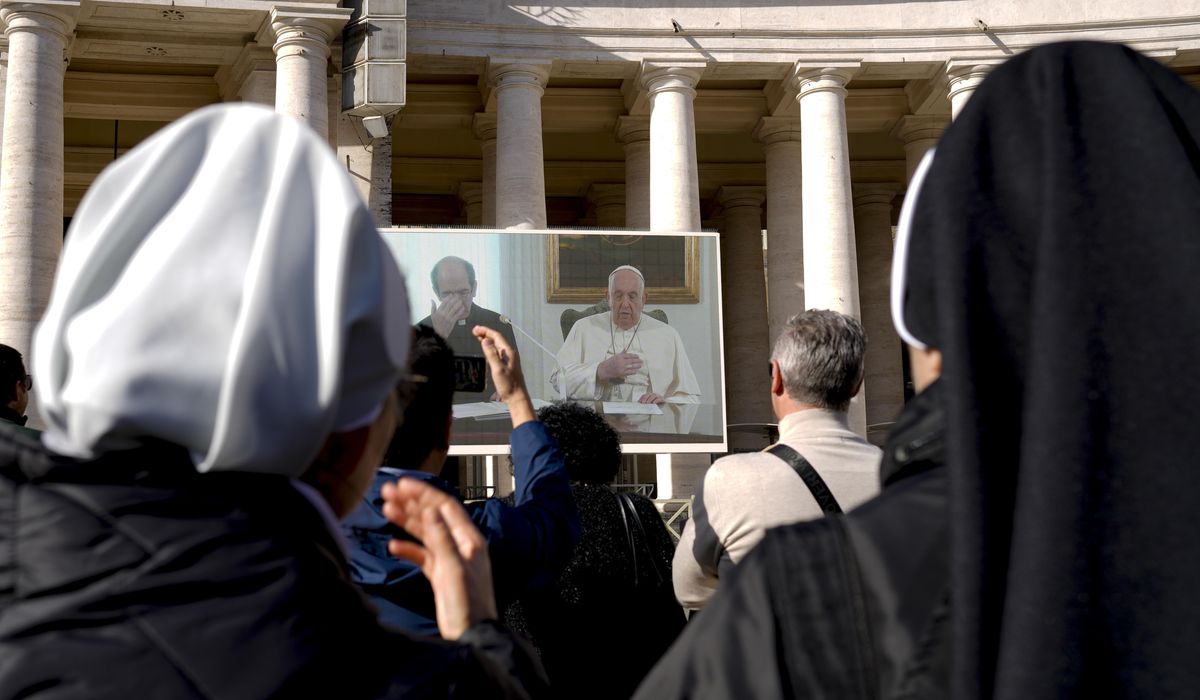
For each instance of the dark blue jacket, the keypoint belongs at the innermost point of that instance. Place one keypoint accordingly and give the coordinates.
(528, 542)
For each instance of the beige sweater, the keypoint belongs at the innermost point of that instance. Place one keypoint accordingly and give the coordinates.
(743, 495)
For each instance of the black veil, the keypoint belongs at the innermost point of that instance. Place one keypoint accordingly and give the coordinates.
(1054, 258)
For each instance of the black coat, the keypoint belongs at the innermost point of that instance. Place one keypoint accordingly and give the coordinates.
(132, 576)
(597, 630)
(848, 606)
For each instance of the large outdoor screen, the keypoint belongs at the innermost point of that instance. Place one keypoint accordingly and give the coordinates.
(648, 357)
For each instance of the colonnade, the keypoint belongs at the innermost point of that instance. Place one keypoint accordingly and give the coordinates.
(813, 212)
(31, 167)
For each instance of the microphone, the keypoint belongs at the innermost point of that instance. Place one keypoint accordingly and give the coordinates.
(507, 320)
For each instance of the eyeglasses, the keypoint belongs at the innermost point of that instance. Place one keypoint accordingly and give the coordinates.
(27, 382)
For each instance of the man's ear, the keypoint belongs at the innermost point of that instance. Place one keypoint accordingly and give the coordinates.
(777, 387)
(449, 422)
(857, 388)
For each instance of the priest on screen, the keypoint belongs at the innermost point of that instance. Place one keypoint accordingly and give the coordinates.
(623, 355)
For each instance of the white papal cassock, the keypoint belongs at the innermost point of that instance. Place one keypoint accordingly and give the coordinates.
(593, 339)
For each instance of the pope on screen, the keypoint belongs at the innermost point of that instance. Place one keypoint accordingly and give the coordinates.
(623, 355)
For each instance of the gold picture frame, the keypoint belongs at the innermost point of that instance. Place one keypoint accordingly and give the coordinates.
(570, 248)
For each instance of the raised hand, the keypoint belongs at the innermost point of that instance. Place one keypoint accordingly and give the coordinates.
(452, 310)
(505, 365)
(618, 366)
(454, 557)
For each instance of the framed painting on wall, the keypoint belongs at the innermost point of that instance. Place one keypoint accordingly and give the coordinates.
(578, 265)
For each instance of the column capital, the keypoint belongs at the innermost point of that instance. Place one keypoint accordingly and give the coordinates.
(732, 196)
(830, 76)
(532, 74)
(470, 192)
(966, 73)
(605, 194)
(484, 126)
(772, 130)
(659, 77)
(633, 129)
(869, 193)
(919, 127)
(52, 16)
(300, 30)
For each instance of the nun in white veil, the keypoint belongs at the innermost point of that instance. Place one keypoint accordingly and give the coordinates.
(216, 369)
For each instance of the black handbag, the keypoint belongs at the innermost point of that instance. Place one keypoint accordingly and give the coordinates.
(629, 513)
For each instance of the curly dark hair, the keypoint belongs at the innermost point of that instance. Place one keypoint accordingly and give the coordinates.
(590, 447)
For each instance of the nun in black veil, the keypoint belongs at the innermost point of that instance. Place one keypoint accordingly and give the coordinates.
(1034, 536)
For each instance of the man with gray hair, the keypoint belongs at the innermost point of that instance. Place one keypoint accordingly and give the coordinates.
(623, 354)
(819, 464)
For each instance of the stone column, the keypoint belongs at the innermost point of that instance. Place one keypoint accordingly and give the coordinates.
(743, 285)
(634, 132)
(302, 61)
(780, 137)
(918, 133)
(369, 162)
(485, 131)
(31, 199)
(830, 273)
(963, 77)
(674, 177)
(609, 202)
(520, 172)
(884, 383)
(3, 82)
(471, 195)
(830, 267)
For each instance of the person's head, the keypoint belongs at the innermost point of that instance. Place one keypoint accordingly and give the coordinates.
(590, 447)
(426, 395)
(626, 296)
(453, 276)
(15, 382)
(817, 362)
(223, 288)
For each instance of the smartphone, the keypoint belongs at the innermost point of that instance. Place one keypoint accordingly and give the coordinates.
(470, 373)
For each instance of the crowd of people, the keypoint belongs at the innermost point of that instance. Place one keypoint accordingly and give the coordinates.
(240, 492)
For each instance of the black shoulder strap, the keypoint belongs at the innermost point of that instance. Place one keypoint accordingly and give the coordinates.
(812, 479)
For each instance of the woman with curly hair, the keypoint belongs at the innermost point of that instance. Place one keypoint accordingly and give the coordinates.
(610, 614)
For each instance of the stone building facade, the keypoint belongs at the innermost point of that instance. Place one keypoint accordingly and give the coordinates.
(801, 119)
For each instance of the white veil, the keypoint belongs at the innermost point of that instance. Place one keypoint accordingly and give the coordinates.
(221, 288)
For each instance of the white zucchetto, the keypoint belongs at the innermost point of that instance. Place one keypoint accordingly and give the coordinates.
(222, 288)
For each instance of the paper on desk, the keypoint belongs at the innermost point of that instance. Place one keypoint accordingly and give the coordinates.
(631, 408)
(479, 408)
